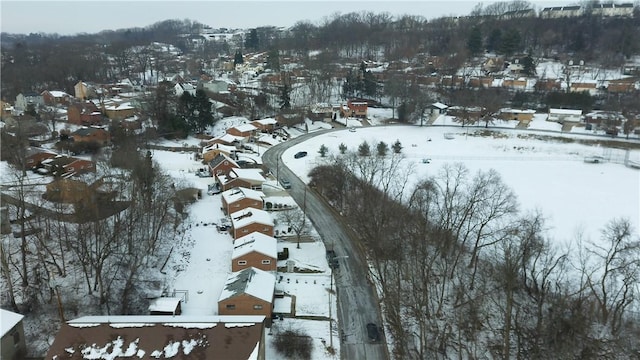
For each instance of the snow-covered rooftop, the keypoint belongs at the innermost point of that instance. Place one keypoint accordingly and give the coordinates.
(228, 138)
(248, 216)
(166, 319)
(8, 320)
(565, 111)
(164, 304)
(267, 121)
(250, 281)
(255, 242)
(239, 193)
(246, 127)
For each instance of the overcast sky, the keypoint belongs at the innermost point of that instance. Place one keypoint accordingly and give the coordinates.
(92, 16)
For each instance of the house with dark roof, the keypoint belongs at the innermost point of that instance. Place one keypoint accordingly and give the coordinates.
(255, 250)
(248, 292)
(222, 164)
(92, 134)
(153, 337)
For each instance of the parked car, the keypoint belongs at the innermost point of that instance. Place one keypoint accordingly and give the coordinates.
(300, 154)
(285, 183)
(203, 172)
(351, 129)
(372, 332)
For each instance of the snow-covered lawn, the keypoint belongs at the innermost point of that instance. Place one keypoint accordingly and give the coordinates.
(201, 262)
(548, 175)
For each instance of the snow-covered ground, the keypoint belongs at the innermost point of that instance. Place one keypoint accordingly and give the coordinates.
(549, 175)
(546, 174)
(201, 262)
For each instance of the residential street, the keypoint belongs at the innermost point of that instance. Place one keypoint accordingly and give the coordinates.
(358, 304)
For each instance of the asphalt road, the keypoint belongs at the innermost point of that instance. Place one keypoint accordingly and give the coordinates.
(357, 301)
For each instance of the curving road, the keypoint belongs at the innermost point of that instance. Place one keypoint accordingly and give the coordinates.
(357, 301)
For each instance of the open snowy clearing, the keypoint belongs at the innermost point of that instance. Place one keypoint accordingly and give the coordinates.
(547, 175)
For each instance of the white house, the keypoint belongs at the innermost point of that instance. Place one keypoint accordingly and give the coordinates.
(564, 115)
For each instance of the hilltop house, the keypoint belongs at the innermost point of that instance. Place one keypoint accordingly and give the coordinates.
(248, 292)
(255, 250)
(54, 97)
(185, 337)
(91, 134)
(12, 344)
(265, 125)
(250, 220)
(24, 100)
(84, 113)
(244, 130)
(240, 198)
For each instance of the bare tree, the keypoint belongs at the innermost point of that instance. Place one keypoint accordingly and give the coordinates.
(612, 276)
(296, 220)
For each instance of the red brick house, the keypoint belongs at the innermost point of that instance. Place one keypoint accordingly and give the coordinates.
(249, 220)
(246, 178)
(63, 166)
(244, 130)
(620, 86)
(240, 198)
(35, 156)
(55, 97)
(248, 292)
(222, 164)
(91, 134)
(255, 250)
(150, 337)
(265, 125)
(85, 113)
(357, 108)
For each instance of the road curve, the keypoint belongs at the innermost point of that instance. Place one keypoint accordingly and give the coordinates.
(357, 301)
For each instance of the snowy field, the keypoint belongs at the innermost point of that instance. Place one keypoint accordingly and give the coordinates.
(546, 175)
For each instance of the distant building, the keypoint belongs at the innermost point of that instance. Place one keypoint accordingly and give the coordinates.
(564, 115)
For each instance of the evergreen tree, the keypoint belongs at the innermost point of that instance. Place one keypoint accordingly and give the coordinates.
(397, 147)
(382, 148)
(350, 85)
(238, 59)
(474, 42)
(495, 40)
(203, 108)
(370, 84)
(323, 150)
(273, 60)
(510, 42)
(285, 97)
(342, 148)
(528, 65)
(364, 149)
(252, 42)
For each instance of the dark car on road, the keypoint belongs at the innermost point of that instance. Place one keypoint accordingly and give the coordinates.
(300, 154)
(372, 332)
